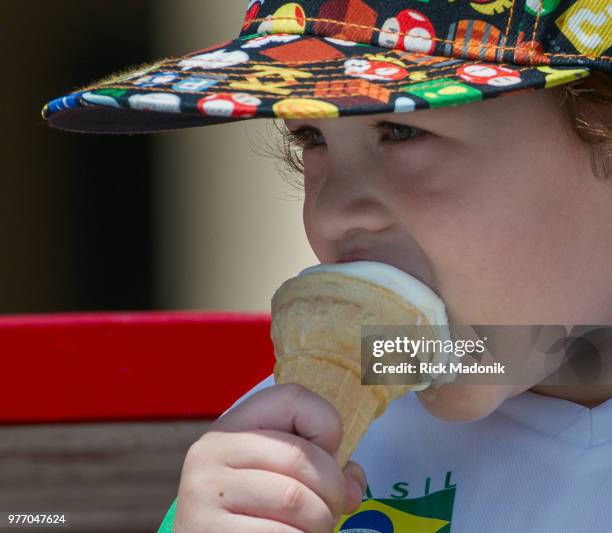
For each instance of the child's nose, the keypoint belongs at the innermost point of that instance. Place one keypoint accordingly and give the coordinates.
(346, 203)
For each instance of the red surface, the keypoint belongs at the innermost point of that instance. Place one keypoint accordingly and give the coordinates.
(129, 366)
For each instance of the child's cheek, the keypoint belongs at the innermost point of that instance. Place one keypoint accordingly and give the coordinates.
(477, 235)
(440, 201)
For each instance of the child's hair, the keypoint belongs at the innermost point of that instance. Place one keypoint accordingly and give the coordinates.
(587, 103)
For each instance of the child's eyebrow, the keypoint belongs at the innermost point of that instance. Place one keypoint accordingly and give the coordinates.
(373, 122)
(367, 120)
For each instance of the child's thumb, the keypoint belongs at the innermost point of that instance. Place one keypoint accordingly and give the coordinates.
(357, 482)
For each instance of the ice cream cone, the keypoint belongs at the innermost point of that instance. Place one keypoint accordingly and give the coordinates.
(316, 331)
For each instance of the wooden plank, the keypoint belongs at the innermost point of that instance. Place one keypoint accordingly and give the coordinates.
(110, 477)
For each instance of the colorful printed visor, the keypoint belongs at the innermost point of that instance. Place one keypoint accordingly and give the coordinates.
(332, 58)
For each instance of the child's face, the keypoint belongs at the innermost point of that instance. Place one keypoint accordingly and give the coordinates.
(495, 208)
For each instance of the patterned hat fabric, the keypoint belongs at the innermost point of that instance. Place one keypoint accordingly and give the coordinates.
(332, 58)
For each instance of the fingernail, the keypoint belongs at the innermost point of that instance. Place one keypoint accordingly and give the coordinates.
(357, 491)
(360, 479)
(362, 487)
(361, 484)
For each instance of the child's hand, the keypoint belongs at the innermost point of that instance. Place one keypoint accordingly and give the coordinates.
(267, 467)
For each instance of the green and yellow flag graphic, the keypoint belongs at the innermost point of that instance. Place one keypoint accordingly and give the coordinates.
(429, 514)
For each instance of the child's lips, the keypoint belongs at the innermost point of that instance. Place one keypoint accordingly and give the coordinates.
(352, 258)
(350, 255)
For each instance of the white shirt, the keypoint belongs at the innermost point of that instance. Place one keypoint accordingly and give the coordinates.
(536, 465)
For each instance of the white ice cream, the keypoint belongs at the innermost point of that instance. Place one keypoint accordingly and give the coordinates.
(403, 284)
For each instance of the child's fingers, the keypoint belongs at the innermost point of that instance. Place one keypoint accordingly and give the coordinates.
(292, 456)
(357, 483)
(291, 408)
(275, 497)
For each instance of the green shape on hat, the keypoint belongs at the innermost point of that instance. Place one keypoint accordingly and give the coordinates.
(442, 93)
(251, 36)
(547, 6)
(115, 93)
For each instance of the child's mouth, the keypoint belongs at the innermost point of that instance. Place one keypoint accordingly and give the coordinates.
(350, 259)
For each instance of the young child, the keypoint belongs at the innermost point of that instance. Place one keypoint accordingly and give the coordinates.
(494, 194)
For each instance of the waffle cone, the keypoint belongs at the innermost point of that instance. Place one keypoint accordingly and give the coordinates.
(316, 331)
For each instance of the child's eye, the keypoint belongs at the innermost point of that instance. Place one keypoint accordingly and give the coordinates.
(307, 137)
(393, 132)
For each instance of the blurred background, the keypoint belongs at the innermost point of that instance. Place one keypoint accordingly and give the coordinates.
(184, 220)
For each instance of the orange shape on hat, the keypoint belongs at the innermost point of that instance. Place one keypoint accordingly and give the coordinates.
(527, 52)
(473, 37)
(342, 89)
(423, 60)
(349, 11)
(303, 50)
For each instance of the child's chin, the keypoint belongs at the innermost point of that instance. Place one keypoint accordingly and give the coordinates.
(464, 403)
